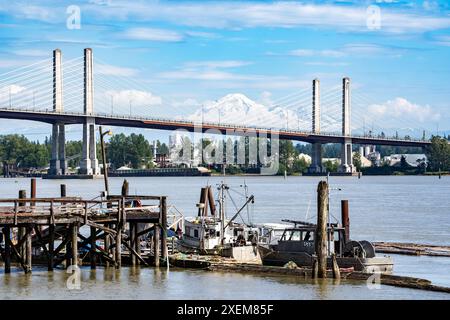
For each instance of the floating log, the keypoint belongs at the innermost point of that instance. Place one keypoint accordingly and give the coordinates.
(412, 249)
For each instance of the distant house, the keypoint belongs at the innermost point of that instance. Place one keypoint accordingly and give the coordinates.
(413, 160)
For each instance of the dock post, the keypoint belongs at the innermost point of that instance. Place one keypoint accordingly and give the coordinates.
(93, 256)
(7, 239)
(345, 219)
(107, 244)
(137, 242)
(336, 271)
(125, 188)
(74, 241)
(28, 250)
(33, 190)
(163, 222)
(156, 244)
(321, 229)
(51, 246)
(63, 190)
(132, 242)
(22, 230)
(118, 250)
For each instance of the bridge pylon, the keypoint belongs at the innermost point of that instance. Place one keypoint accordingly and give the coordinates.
(89, 161)
(316, 154)
(346, 147)
(58, 163)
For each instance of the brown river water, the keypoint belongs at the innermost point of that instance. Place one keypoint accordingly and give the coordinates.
(402, 209)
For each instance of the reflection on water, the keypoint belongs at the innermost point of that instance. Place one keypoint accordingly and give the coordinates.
(149, 283)
(404, 209)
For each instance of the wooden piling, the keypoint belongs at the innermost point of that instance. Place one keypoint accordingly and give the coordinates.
(33, 190)
(22, 230)
(107, 245)
(345, 219)
(74, 240)
(125, 188)
(118, 251)
(28, 250)
(321, 229)
(51, 246)
(137, 241)
(336, 271)
(7, 237)
(93, 255)
(63, 190)
(132, 241)
(156, 244)
(163, 219)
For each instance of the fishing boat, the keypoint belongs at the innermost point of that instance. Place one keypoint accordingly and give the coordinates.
(214, 234)
(297, 244)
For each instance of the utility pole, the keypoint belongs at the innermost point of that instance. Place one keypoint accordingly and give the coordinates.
(105, 167)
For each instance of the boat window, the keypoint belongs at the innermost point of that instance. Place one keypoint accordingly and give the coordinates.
(187, 230)
(195, 233)
(295, 236)
(309, 236)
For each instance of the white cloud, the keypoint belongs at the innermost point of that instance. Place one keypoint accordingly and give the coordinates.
(351, 49)
(136, 98)
(217, 64)
(401, 109)
(273, 14)
(153, 34)
(108, 69)
(5, 92)
(32, 53)
(316, 53)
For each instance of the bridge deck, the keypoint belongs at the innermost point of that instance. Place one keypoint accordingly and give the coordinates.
(231, 129)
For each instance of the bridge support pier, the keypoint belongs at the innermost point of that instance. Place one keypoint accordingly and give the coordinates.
(346, 148)
(58, 164)
(316, 159)
(89, 162)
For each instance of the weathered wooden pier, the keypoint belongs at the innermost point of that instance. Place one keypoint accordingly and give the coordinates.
(49, 228)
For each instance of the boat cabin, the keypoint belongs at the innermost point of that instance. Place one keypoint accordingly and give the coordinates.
(302, 239)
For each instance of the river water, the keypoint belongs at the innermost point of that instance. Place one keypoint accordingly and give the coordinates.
(403, 209)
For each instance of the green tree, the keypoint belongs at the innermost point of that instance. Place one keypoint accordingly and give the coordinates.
(331, 166)
(357, 161)
(438, 154)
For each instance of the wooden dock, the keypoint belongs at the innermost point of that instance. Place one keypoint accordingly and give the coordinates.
(50, 227)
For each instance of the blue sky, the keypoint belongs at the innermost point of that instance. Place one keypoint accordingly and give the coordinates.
(187, 52)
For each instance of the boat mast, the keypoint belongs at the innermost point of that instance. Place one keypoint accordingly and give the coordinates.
(222, 213)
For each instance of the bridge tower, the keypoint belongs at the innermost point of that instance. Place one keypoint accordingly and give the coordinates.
(346, 148)
(58, 163)
(89, 162)
(316, 155)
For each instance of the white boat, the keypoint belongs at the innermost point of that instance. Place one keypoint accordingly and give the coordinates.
(215, 234)
(270, 233)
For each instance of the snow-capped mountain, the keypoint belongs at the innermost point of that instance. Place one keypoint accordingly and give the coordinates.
(236, 108)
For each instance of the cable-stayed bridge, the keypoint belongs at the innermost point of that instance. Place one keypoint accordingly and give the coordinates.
(64, 94)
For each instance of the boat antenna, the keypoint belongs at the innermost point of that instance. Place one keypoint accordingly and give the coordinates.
(246, 198)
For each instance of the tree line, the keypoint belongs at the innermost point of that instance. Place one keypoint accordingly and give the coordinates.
(132, 150)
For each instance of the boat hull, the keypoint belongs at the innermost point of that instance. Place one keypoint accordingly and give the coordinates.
(302, 259)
